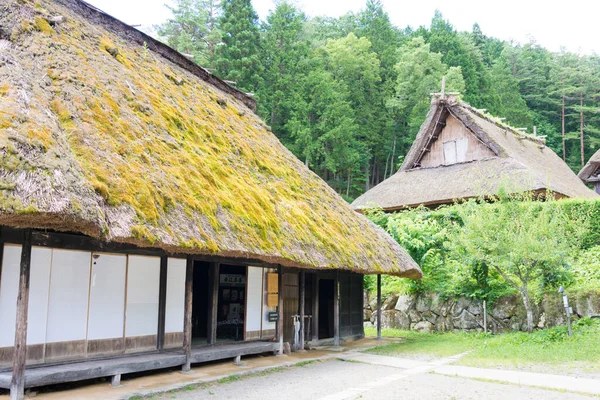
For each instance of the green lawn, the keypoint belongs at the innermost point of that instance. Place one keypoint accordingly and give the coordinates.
(544, 350)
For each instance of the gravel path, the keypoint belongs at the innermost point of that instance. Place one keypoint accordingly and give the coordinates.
(337, 380)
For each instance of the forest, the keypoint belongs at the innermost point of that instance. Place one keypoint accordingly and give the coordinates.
(347, 95)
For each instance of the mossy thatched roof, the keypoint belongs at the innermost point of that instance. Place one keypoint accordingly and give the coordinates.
(108, 133)
(518, 162)
(589, 173)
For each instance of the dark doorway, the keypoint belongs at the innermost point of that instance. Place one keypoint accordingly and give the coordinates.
(200, 302)
(326, 298)
(232, 303)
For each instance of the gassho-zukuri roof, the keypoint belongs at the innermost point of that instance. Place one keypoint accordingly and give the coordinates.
(109, 133)
(591, 171)
(496, 156)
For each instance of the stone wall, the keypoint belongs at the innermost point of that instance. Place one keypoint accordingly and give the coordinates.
(429, 312)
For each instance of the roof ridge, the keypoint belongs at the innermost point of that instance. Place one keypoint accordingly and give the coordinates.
(500, 124)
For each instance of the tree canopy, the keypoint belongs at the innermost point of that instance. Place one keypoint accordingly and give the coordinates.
(347, 95)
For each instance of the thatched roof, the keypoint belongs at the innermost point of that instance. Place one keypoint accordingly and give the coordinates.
(511, 159)
(109, 133)
(590, 172)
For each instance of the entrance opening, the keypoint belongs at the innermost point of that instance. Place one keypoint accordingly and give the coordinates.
(200, 302)
(232, 303)
(326, 298)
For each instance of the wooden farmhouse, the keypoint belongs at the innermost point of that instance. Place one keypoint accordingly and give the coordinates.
(148, 218)
(461, 152)
(590, 173)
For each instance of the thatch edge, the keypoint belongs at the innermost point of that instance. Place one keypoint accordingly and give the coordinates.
(69, 224)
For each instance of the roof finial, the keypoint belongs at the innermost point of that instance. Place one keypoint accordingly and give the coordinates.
(443, 93)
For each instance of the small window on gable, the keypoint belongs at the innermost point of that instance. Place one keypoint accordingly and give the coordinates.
(455, 151)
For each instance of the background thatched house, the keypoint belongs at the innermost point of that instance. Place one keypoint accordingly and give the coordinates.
(144, 206)
(590, 173)
(461, 153)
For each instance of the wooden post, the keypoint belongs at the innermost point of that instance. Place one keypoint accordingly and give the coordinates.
(162, 303)
(280, 311)
(485, 316)
(336, 310)
(17, 384)
(315, 315)
(378, 306)
(213, 303)
(302, 299)
(187, 321)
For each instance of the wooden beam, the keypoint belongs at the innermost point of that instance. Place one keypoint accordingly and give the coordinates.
(213, 303)
(187, 322)
(81, 242)
(280, 311)
(162, 302)
(302, 300)
(378, 306)
(17, 384)
(336, 310)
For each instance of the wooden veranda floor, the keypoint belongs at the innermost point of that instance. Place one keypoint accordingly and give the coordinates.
(40, 375)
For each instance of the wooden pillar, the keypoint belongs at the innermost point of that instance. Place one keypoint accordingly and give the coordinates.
(302, 300)
(378, 306)
(187, 321)
(213, 303)
(315, 315)
(280, 311)
(336, 310)
(17, 384)
(162, 302)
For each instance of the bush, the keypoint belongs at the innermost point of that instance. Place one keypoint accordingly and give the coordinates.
(429, 236)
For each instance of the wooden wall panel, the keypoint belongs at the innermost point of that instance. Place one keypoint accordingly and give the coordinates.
(39, 288)
(107, 297)
(454, 130)
(175, 296)
(68, 298)
(254, 300)
(9, 286)
(141, 321)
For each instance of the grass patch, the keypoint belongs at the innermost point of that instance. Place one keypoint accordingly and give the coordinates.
(433, 344)
(548, 348)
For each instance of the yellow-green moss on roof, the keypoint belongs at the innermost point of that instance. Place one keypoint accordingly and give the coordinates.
(103, 136)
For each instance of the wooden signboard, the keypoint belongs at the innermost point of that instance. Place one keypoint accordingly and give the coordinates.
(272, 283)
(272, 300)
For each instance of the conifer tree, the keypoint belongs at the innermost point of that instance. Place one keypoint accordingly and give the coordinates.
(193, 29)
(238, 57)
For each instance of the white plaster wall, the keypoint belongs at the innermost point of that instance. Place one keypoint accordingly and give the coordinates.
(39, 289)
(175, 295)
(266, 324)
(107, 296)
(68, 299)
(9, 286)
(254, 299)
(143, 276)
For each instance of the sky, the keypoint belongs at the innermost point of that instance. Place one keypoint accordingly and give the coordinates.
(552, 23)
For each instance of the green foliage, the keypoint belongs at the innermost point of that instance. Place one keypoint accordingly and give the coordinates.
(193, 29)
(461, 250)
(238, 58)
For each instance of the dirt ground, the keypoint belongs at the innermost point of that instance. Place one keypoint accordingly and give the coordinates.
(337, 380)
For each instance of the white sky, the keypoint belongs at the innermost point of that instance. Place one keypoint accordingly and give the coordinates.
(552, 23)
